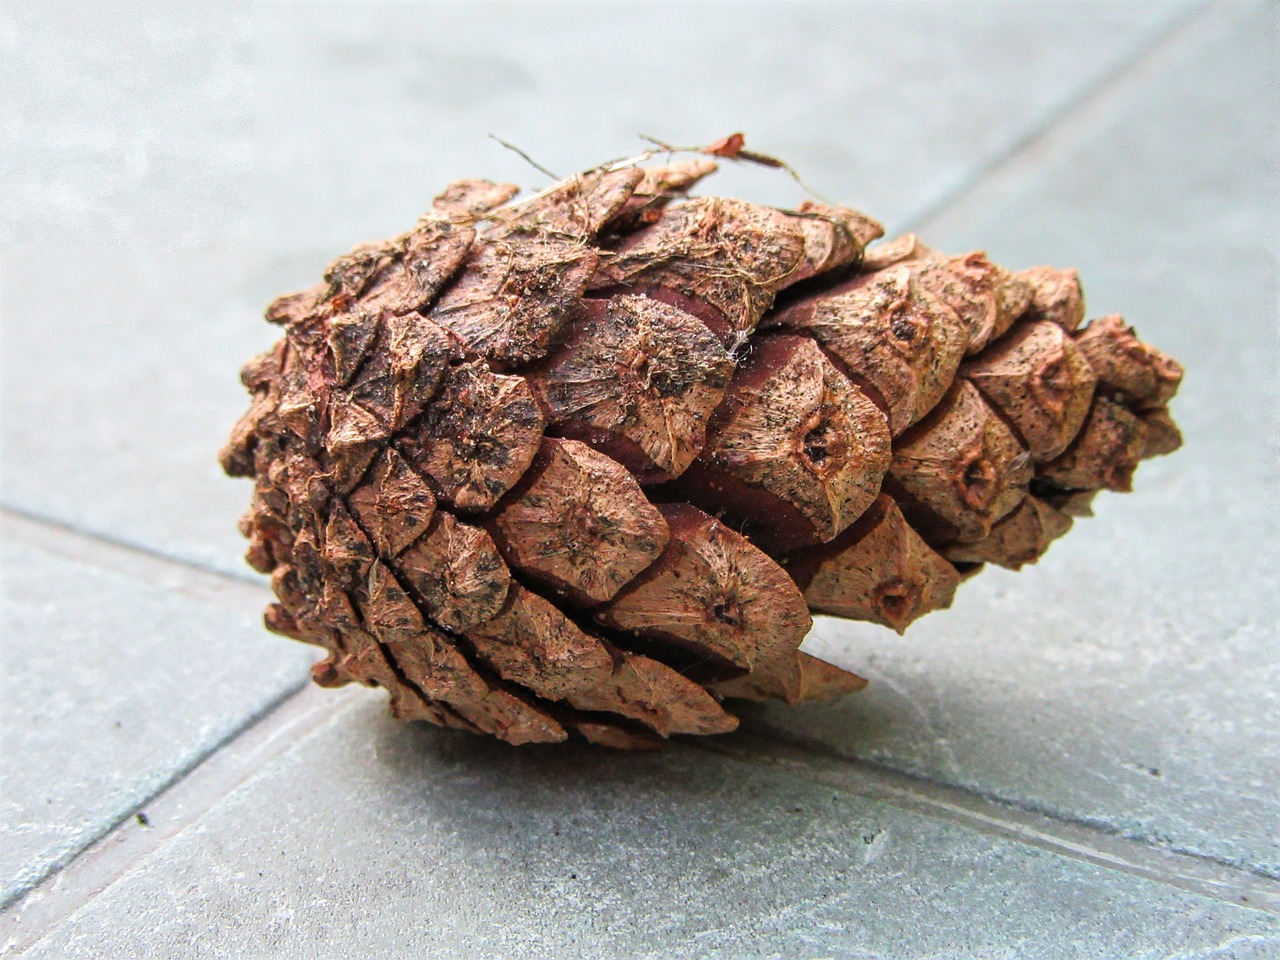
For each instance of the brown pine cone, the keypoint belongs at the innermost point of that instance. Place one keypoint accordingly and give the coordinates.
(585, 463)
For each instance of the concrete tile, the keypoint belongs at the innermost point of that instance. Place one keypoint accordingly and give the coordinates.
(127, 122)
(110, 687)
(373, 839)
(1130, 679)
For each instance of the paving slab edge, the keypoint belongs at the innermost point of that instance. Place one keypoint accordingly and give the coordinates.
(158, 571)
(991, 815)
(1145, 56)
(165, 815)
(1006, 173)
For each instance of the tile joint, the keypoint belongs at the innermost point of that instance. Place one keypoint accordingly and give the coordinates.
(993, 815)
(1081, 101)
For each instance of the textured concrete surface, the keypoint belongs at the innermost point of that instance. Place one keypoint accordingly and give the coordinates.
(370, 840)
(361, 109)
(1130, 679)
(126, 123)
(1080, 760)
(111, 686)
(119, 384)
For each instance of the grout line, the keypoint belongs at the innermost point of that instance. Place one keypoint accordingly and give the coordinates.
(1093, 826)
(140, 562)
(1080, 841)
(177, 776)
(1061, 122)
(10, 512)
(169, 811)
(159, 570)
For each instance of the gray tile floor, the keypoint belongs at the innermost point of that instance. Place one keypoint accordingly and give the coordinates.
(1081, 760)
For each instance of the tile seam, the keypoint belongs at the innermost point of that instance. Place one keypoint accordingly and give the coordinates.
(991, 815)
(1109, 86)
(182, 802)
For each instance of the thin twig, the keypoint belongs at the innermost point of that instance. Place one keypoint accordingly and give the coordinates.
(730, 148)
(528, 159)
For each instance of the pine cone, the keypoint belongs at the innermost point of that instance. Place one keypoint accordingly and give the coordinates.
(586, 463)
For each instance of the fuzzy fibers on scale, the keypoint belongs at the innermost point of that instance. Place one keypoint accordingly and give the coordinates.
(584, 464)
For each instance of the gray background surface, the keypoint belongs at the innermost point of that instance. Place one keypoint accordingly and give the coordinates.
(1080, 760)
